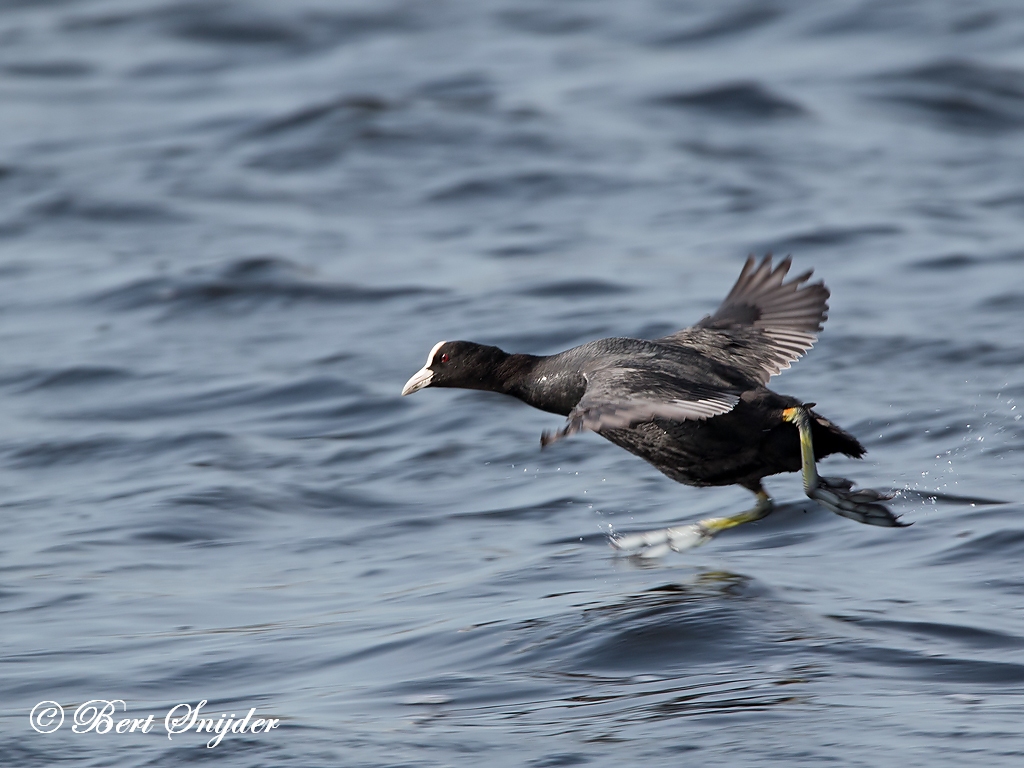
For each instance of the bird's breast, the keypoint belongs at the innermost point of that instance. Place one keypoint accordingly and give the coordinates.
(553, 391)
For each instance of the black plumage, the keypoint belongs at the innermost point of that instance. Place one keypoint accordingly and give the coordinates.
(694, 404)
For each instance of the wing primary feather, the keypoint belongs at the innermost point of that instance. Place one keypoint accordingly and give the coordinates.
(765, 322)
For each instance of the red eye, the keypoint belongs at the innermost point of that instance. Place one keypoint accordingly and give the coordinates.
(444, 357)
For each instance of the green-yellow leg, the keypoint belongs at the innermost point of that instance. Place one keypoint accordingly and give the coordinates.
(658, 543)
(835, 493)
(761, 509)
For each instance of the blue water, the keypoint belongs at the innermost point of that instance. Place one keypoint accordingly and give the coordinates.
(229, 232)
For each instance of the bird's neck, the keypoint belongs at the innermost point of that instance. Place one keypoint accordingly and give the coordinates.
(547, 387)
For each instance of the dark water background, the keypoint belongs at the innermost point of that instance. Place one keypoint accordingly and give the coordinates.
(230, 231)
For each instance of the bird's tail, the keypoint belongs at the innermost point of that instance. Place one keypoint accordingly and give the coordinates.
(829, 439)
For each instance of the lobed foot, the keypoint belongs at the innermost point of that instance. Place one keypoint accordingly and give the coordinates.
(837, 494)
(652, 544)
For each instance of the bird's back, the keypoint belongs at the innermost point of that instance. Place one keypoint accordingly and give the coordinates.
(742, 446)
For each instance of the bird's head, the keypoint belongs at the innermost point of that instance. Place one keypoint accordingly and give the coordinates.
(461, 364)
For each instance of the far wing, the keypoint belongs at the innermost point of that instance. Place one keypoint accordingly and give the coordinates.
(618, 397)
(764, 324)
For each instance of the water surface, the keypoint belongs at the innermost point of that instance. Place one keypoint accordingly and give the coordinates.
(229, 232)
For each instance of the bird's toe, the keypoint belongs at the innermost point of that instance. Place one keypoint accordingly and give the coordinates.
(652, 544)
(860, 505)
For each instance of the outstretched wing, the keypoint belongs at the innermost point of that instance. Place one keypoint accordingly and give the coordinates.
(764, 324)
(618, 397)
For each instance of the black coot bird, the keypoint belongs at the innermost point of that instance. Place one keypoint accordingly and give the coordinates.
(694, 404)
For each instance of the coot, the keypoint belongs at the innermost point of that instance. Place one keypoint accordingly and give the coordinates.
(694, 403)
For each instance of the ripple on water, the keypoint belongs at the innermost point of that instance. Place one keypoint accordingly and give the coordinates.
(724, 24)
(72, 377)
(719, 619)
(1006, 546)
(572, 289)
(245, 284)
(960, 94)
(747, 100)
(535, 186)
(67, 206)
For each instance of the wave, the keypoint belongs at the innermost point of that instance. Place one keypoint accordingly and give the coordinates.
(745, 100)
(245, 283)
(959, 94)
